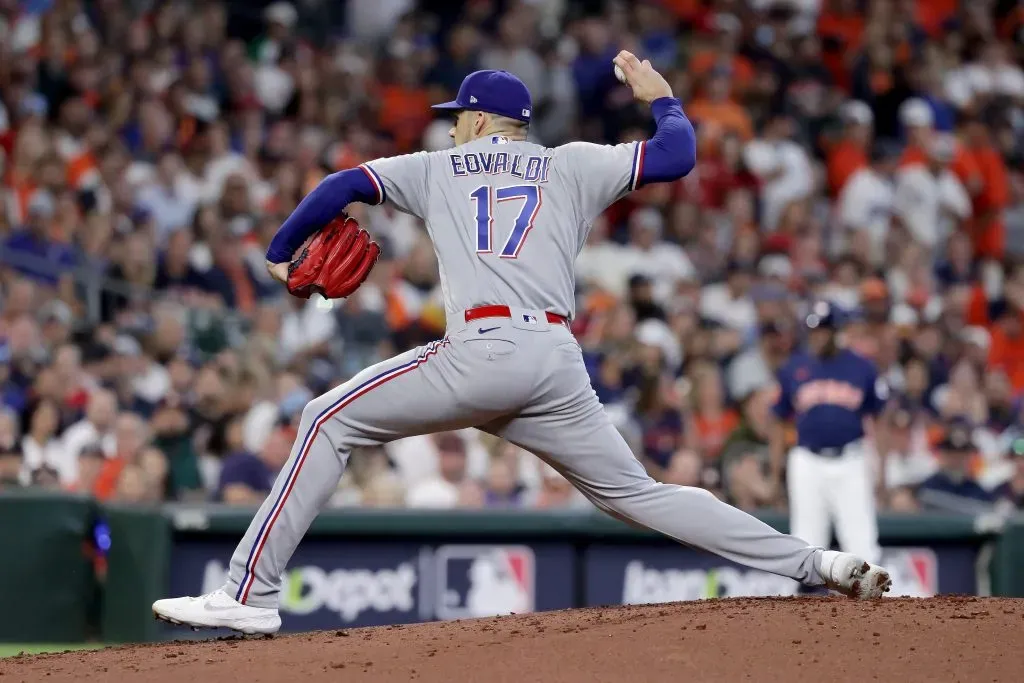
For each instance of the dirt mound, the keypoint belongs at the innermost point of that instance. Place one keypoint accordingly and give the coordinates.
(764, 639)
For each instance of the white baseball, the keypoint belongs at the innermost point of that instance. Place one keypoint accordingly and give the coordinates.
(619, 75)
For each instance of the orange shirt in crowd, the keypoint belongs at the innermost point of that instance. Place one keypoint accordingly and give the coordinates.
(684, 9)
(106, 482)
(977, 307)
(732, 117)
(930, 14)
(1007, 353)
(988, 232)
(1011, 23)
(848, 30)
(742, 70)
(713, 431)
(844, 159)
(405, 113)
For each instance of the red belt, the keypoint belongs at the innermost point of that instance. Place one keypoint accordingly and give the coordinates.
(506, 312)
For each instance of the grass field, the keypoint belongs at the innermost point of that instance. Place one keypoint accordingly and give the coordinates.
(11, 649)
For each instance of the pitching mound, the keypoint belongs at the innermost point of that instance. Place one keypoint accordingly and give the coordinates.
(769, 639)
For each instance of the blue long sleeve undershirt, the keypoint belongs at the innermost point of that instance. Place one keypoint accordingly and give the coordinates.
(320, 207)
(672, 152)
(669, 155)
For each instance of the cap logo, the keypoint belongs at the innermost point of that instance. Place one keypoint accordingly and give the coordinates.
(526, 113)
(472, 100)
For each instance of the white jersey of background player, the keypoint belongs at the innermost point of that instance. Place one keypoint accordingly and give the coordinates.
(507, 218)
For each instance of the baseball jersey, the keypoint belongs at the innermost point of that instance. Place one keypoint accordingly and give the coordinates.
(508, 218)
(829, 398)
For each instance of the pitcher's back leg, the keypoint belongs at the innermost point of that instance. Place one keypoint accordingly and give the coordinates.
(568, 428)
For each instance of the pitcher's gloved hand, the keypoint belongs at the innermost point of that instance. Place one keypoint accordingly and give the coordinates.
(336, 261)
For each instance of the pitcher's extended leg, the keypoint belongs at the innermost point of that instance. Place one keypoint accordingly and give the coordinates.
(568, 428)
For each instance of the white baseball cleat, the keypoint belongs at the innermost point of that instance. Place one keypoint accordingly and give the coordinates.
(217, 610)
(853, 577)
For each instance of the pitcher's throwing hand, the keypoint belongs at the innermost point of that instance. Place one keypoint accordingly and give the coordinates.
(647, 84)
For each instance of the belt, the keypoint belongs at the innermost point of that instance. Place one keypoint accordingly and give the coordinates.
(828, 452)
(498, 311)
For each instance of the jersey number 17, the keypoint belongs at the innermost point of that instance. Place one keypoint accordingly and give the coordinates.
(484, 200)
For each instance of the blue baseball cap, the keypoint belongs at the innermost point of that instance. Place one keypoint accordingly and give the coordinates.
(495, 92)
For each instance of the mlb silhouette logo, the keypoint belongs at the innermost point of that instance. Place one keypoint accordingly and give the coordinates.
(915, 571)
(531, 319)
(484, 581)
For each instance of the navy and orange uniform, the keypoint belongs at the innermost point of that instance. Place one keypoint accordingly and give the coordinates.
(829, 397)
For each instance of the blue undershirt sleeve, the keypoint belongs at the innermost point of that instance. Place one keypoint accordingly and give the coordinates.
(672, 152)
(318, 208)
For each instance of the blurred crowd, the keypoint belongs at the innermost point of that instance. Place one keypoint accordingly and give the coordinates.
(867, 152)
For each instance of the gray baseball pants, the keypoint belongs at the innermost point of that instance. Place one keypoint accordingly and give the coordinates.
(523, 381)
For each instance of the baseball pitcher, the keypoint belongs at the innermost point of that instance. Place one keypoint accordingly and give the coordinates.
(507, 219)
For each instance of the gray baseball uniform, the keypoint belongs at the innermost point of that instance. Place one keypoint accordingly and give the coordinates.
(507, 219)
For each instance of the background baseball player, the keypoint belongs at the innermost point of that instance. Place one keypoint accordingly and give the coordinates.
(833, 394)
(507, 219)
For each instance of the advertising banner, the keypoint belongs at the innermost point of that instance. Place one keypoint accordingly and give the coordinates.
(637, 574)
(332, 584)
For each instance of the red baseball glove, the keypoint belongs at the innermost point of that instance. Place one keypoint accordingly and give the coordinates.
(335, 262)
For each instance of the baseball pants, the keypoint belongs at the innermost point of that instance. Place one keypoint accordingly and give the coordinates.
(525, 382)
(824, 490)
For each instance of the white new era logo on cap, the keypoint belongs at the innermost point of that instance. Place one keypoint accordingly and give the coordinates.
(472, 100)
(526, 113)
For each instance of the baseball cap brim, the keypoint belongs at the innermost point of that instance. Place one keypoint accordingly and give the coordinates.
(453, 105)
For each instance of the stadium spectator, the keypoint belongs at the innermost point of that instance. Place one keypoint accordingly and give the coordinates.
(11, 467)
(132, 486)
(10, 429)
(501, 487)
(32, 251)
(987, 228)
(1012, 490)
(662, 424)
(130, 434)
(663, 263)
(744, 458)
(713, 420)
(865, 205)
(930, 201)
(96, 427)
(783, 168)
(91, 460)
(246, 478)
(450, 486)
(953, 488)
(909, 461)
(41, 447)
(730, 303)
(849, 153)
